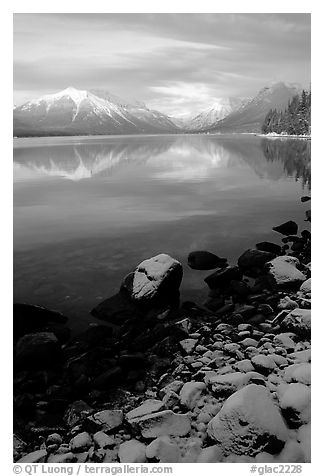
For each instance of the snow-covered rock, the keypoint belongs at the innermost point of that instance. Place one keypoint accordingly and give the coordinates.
(298, 373)
(147, 407)
(164, 450)
(283, 271)
(231, 382)
(248, 423)
(80, 442)
(263, 363)
(298, 321)
(188, 345)
(153, 279)
(106, 420)
(132, 451)
(295, 404)
(211, 454)
(190, 393)
(306, 286)
(162, 423)
(304, 437)
(102, 440)
(37, 456)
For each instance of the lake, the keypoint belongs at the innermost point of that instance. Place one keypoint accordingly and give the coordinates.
(87, 210)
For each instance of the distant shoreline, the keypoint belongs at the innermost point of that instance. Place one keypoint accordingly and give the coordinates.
(284, 136)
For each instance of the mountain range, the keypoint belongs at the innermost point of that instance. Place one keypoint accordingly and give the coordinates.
(96, 112)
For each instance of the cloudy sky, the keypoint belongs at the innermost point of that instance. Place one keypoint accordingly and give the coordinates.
(177, 63)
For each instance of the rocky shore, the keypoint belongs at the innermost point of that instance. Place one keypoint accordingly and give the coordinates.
(165, 381)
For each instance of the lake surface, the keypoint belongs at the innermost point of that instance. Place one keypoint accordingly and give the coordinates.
(87, 210)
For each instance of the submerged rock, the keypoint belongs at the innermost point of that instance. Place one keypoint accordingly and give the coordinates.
(287, 228)
(204, 260)
(269, 247)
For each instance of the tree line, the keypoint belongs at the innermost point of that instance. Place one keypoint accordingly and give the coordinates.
(294, 120)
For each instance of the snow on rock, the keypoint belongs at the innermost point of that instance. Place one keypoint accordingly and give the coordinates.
(162, 423)
(231, 382)
(283, 271)
(284, 340)
(249, 423)
(132, 451)
(298, 373)
(102, 440)
(292, 452)
(211, 454)
(37, 456)
(154, 278)
(304, 437)
(105, 420)
(164, 450)
(81, 442)
(188, 345)
(147, 407)
(306, 286)
(298, 321)
(263, 363)
(190, 393)
(295, 404)
(302, 356)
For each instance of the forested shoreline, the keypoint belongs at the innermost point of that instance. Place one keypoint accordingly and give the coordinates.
(294, 120)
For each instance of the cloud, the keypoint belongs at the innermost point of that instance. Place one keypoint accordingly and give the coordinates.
(166, 60)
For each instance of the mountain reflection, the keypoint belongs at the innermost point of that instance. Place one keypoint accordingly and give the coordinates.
(171, 157)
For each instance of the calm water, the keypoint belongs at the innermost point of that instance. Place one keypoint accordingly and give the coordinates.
(88, 210)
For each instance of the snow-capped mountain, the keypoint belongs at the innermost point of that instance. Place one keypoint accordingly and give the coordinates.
(250, 116)
(80, 112)
(219, 110)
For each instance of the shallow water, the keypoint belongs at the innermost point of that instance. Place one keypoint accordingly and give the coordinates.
(88, 210)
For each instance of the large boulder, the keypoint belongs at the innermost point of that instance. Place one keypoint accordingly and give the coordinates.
(287, 228)
(222, 277)
(253, 259)
(204, 260)
(249, 423)
(155, 281)
(299, 322)
(283, 271)
(38, 350)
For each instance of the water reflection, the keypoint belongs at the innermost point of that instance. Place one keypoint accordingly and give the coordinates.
(293, 154)
(173, 158)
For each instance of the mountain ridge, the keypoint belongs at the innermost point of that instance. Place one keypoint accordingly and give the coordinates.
(98, 112)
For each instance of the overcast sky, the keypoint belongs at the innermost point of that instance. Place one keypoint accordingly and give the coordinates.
(177, 63)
